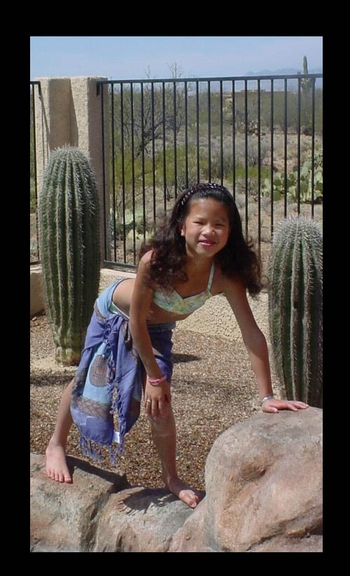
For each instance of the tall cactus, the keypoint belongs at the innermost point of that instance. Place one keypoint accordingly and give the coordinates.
(68, 214)
(306, 83)
(296, 308)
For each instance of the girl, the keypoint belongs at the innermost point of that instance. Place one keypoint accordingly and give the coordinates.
(197, 253)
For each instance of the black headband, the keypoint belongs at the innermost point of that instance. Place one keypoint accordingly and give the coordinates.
(202, 188)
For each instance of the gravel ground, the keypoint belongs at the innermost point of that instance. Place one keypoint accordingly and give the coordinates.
(213, 388)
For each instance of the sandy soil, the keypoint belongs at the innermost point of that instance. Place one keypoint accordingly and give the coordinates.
(213, 388)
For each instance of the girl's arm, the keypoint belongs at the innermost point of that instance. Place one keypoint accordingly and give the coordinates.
(139, 310)
(256, 345)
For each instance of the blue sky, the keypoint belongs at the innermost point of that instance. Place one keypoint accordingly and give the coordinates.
(139, 57)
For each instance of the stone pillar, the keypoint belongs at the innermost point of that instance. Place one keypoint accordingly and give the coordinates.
(68, 113)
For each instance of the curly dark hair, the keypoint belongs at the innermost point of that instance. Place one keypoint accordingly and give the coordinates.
(237, 259)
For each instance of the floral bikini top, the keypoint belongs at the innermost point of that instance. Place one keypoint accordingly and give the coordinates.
(173, 302)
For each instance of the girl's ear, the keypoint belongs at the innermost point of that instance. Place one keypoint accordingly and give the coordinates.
(181, 229)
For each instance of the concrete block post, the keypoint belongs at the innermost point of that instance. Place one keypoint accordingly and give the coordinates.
(68, 113)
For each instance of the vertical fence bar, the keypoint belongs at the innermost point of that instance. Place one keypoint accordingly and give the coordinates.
(122, 170)
(209, 131)
(272, 127)
(197, 129)
(299, 141)
(221, 135)
(186, 134)
(113, 169)
(246, 165)
(133, 166)
(153, 156)
(175, 138)
(259, 168)
(285, 146)
(164, 148)
(313, 151)
(233, 140)
(143, 161)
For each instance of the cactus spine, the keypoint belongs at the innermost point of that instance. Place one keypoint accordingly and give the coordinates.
(68, 214)
(295, 308)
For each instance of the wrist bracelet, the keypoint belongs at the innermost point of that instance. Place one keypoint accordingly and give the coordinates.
(156, 381)
(268, 397)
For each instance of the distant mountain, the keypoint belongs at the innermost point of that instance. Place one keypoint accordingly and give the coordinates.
(279, 84)
(283, 71)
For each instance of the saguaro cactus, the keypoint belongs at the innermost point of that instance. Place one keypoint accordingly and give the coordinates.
(295, 308)
(68, 214)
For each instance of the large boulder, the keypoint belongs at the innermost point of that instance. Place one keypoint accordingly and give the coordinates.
(140, 520)
(263, 494)
(263, 488)
(63, 517)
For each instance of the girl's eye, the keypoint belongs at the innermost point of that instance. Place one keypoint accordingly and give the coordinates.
(217, 225)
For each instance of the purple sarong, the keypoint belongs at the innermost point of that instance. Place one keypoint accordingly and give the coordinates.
(109, 376)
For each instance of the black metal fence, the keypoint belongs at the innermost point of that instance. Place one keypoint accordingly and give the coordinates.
(260, 136)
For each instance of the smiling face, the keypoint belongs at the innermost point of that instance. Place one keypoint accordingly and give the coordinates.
(206, 227)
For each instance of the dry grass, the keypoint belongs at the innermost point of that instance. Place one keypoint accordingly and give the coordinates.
(213, 388)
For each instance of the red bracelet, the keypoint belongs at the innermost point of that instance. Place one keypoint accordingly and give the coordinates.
(156, 381)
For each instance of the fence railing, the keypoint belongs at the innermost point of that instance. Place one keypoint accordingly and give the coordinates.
(261, 136)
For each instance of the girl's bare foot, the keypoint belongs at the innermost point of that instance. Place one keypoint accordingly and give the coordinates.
(184, 492)
(56, 464)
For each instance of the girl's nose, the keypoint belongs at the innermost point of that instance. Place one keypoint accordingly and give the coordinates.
(209, 230)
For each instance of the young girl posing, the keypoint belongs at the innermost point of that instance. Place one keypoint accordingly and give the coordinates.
(199, 252)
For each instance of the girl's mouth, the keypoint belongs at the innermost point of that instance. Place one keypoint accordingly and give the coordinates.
(206, 243)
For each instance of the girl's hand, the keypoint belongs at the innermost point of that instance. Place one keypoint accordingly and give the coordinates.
(274, 405)
(157, 399)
